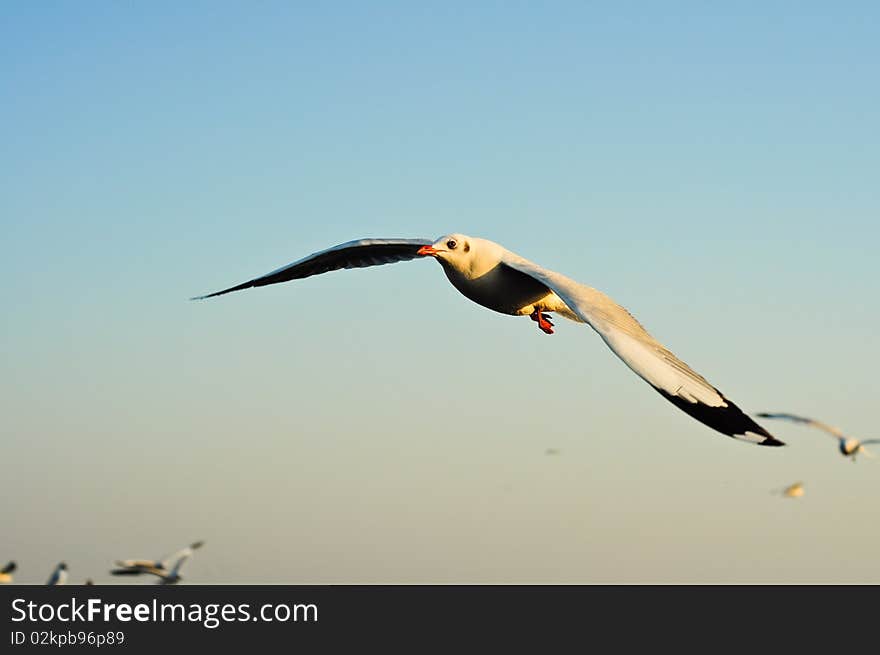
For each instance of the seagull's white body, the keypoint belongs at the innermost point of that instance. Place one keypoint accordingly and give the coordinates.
(59, 575)
(848, 446)
(166, 569)
(496, 278)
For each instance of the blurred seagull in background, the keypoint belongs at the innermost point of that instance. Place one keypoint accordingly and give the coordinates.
(167, 568)
(795, 490)
(167, 576)
(492, 276)
(848, 446)
(59, 575)
(6, 572)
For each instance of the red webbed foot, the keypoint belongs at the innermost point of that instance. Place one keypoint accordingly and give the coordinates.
(543, 321)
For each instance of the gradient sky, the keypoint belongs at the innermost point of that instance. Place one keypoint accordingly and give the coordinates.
(714, 171)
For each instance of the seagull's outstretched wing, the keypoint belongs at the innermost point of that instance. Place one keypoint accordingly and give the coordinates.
(646, 356)
(353, 254)
(152, 570)
(865, 451)
(175, 570)
(136, 563)
(180, 556)
(133, 570)
(830, 429)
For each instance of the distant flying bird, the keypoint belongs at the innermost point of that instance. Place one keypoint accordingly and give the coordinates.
(167, 568)
(59, 575)
(502, 281)
(551, 451)
(6, 572)
(166, 576)
(795, 490)
(847, 446)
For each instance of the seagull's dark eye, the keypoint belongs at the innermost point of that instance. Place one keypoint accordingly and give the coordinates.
(451, 244)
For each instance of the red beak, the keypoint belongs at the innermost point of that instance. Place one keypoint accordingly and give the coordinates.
(427, 250)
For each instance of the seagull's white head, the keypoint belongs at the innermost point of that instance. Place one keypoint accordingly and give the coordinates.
(469, 256)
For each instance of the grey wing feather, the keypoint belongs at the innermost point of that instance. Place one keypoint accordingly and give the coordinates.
(830, 429)
(646, 356)
(353, 254)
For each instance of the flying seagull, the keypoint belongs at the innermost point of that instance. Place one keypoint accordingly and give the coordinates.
(795, 490)
(6, 572)
(492, 276)
(59, 575)
(167, 568)
(847, 446)
(166, 576)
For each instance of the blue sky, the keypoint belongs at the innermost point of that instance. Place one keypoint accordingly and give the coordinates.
(713, 171)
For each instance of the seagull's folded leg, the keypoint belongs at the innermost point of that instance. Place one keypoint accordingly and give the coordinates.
(543, 321)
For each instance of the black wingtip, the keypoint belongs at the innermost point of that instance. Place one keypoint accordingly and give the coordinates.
(237, 287)
(212, 295)
(727, 419)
